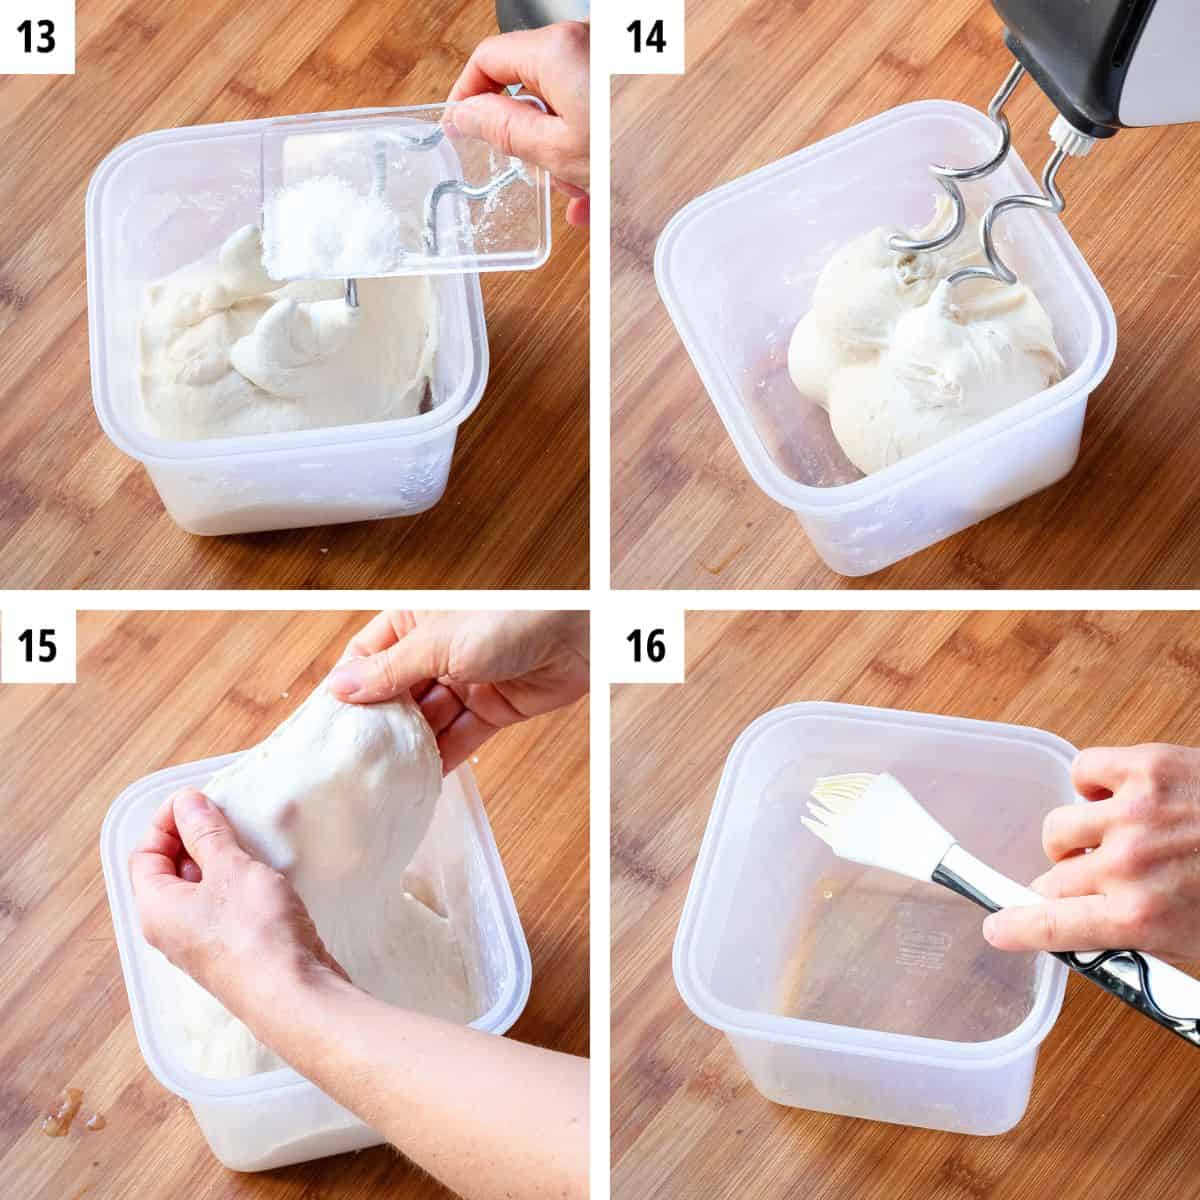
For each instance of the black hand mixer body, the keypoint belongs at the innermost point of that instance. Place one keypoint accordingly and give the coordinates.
(1106, 64)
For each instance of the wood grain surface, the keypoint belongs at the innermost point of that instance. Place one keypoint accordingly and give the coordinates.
(156, 689)
(74, 511)
(765, 79)
(1112, 1113)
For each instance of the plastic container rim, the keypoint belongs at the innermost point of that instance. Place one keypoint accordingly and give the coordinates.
(819, 1035)
(155, 451)
(195, 1088)
(860, 493)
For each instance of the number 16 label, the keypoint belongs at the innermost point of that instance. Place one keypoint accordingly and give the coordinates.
(37, 37)
(645, 645)
(642, 38)
(37, 645)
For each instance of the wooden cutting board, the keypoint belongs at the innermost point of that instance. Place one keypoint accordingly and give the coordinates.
(74, 511)
(1115, 1097)
(765, 79)
(157, 689)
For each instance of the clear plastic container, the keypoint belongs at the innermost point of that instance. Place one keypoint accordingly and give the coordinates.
(279, 1117)
(852, 990)
(736, 270)
(169, 198)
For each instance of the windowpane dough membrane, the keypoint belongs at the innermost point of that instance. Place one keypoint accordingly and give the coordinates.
(339, 798)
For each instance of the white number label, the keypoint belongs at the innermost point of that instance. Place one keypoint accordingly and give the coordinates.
(643, 646)
(37, 37)
(37, 645)
(641, 37)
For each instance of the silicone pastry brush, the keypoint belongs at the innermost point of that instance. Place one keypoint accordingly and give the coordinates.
(874, 820)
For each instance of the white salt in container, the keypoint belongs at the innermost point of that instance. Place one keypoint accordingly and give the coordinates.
(279, 1117)
(736, 270)
(166, 199)
(851, 990)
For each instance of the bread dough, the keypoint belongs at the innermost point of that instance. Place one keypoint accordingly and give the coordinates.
(225, 350)
(339, 797)
(902, 361)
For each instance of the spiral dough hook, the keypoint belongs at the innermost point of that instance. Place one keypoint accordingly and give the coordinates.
(951, 177)
(1051, 200)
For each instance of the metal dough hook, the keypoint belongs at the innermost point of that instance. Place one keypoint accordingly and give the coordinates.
(1050, 200)
(951, 177)
(1068, 141)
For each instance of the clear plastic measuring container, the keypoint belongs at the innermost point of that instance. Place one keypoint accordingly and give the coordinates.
(736, 270)
(851, 990)
(279, 1117)
(166, 199)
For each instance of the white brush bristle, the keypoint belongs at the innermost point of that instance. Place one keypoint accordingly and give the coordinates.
(872, 819)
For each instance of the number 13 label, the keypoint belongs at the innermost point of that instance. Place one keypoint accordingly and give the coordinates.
(37, 37)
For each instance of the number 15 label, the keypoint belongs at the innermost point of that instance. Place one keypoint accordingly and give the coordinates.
(37, 37)
(642, 37)
(37, 645)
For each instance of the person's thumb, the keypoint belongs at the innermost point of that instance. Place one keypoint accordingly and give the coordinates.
(418, 656)
(513, 127)
(1076, 923)
(206, 835)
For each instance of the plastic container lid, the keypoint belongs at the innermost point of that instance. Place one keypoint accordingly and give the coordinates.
(397, 191)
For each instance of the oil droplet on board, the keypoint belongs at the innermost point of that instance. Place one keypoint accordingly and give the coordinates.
(828, 893)
(96, 1121)
(58, 1123)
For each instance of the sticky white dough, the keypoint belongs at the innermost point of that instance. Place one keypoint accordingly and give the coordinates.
(339, 797)
(902, 361)
(227, 351)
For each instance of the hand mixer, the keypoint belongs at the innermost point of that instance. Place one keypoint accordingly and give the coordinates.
(1105, 65)
(874, 820)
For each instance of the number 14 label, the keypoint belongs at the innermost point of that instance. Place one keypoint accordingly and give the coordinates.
(642, 38)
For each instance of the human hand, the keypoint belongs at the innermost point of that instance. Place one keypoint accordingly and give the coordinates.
(553, 64)
(234, 924)
(1138, 887)
(471, 673)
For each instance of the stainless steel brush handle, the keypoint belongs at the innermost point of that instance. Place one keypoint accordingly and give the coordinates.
(1155, 988)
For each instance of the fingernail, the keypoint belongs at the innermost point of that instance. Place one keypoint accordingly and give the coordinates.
(191, 803)
(989, 926)
(350, 679)
(465, 119)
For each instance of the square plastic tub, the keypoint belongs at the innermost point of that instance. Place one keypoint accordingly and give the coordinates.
(279, 1117)
(851, 990)
(736, 270)
(166, 199)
